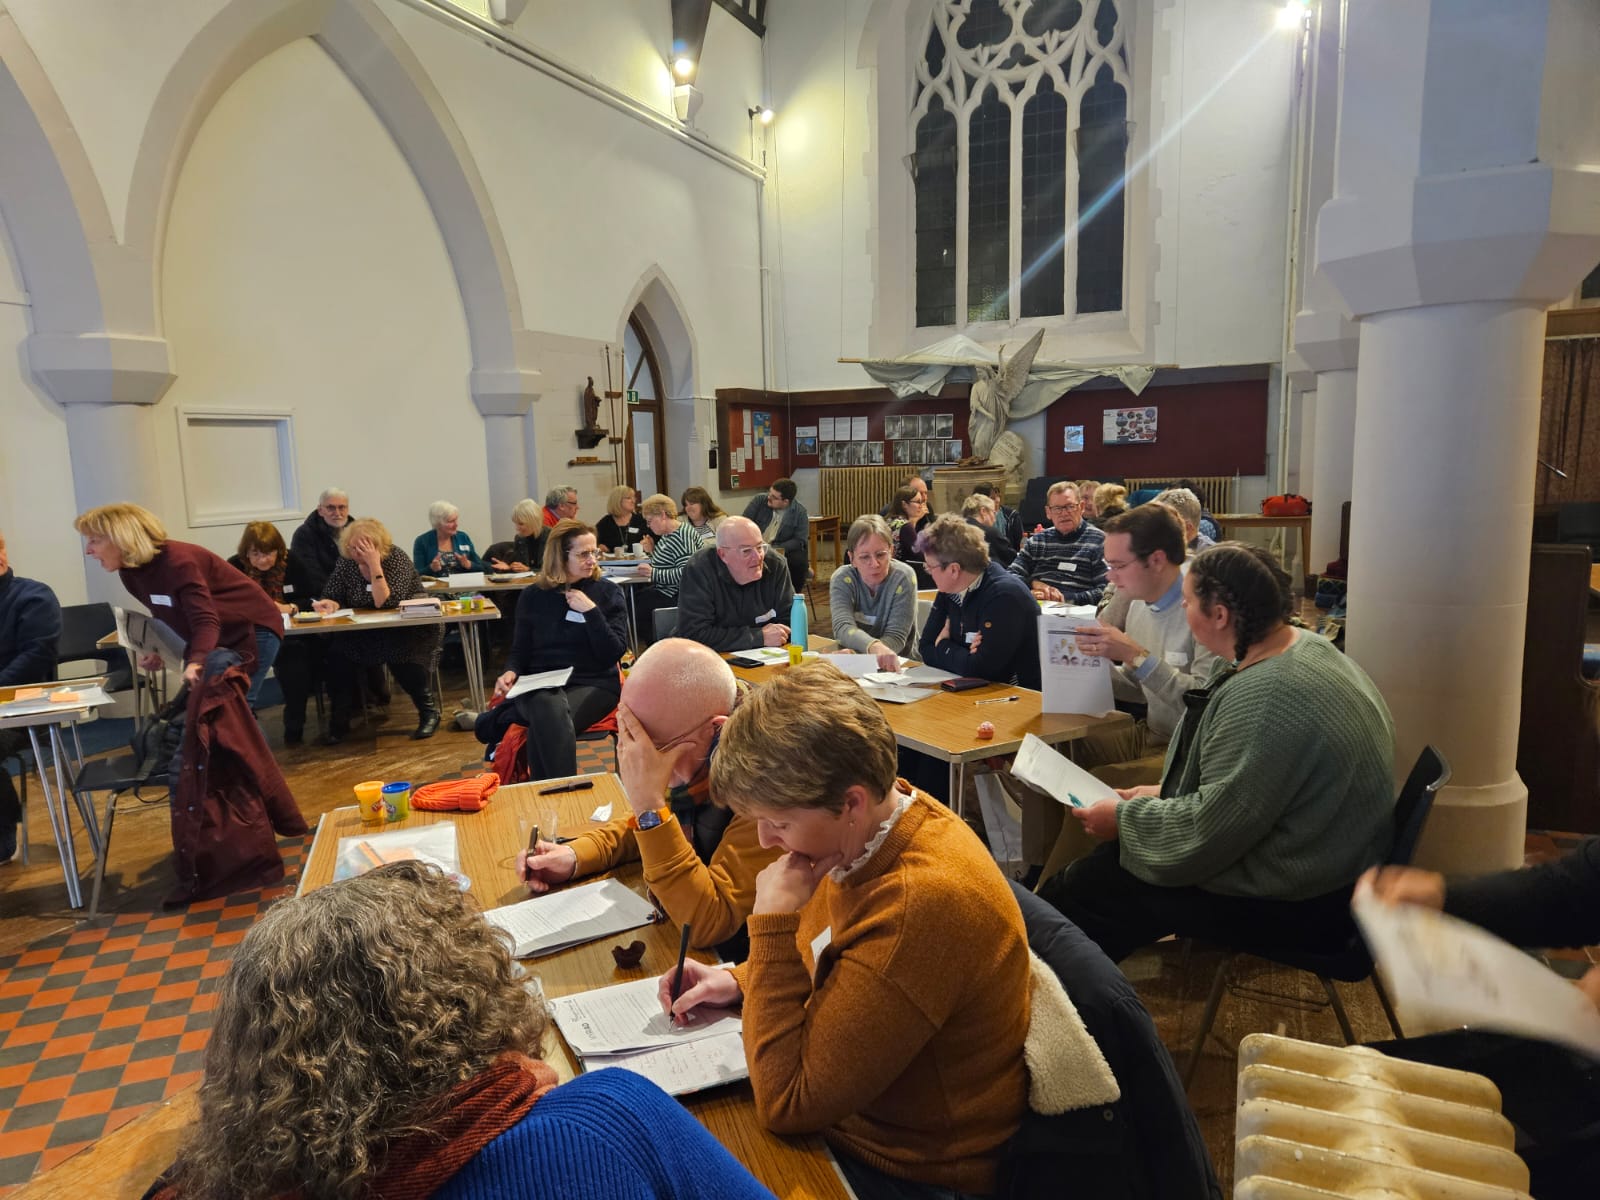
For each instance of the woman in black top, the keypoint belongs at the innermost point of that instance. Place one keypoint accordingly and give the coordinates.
(908, 516)
(570, 617)
(622, 526)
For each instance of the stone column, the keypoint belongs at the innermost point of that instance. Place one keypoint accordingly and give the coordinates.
(1461, 211)
(506, 399)
(1326, 342)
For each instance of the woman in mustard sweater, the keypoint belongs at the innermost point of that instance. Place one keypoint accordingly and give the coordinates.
(886, 993)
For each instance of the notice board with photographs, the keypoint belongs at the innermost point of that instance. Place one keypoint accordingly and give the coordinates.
(753, 443)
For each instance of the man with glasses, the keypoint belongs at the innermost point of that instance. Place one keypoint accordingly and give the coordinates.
(1067, 561)
(786, 526)
(1158, 660)
(736, 595)
(700, 860)
(560, 504)
(314, 548)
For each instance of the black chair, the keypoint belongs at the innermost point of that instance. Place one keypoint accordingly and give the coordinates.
(116, 776)
(82, 627)
(1580, 524)
(1350, 963)
(664, 622)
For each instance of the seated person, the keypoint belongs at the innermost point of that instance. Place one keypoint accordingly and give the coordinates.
(980, 511)
(315, 543)
(373, 572)
(1207, 523)
(527, 548)
(622, 528)
(1158, 660)
(1187, 505)
(886, 997)
(676, 542)
(914, 483)
(873, 599)
(705, 515)
(1008, 520)
(354, 1053)
(736, 594)
(1278, 792)
(1551, 1094)
(30, 629)
(699, 859)
(572, 616)
(785, 526)
(444, 549)
(984, 622)
(1086, 492)
(909, 516)
(1110, 499)
(264, 558)
(1066, 561)
(560, 504)
(195, 593)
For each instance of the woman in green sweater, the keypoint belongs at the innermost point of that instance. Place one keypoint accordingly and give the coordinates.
(1278, 789)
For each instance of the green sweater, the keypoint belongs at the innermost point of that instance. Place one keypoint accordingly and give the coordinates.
(1286, 790)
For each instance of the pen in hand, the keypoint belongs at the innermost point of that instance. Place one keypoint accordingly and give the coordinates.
(683, 952)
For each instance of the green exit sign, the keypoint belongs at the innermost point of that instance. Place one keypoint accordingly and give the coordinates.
(633, 395)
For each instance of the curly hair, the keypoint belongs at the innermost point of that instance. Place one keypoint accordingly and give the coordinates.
(346, 1018)
(1248, 581)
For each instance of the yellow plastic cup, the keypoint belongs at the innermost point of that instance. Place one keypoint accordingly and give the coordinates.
(369, 797)
(795, 654)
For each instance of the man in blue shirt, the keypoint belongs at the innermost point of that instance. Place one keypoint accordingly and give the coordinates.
(30, 629)
(1067, 561)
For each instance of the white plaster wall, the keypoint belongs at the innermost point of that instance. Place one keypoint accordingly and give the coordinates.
(36, 504)
(1217, 90)
(304, 271)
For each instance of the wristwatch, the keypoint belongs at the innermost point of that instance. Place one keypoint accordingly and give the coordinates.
(1138, 661)
(649, 820)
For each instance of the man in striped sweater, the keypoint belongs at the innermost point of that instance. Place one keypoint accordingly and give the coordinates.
(1067, 561)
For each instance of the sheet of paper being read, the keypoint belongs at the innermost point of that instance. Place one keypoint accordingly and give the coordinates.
(544, 679)
(1057, 775)
(1442, 969)
(627, 1017)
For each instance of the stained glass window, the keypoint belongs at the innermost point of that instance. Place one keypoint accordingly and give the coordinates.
(936, 217)
(1044, 210)
(989, 211)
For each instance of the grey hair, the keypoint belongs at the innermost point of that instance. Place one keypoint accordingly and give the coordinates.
(441, 511)
(1181, 501)
(330, 493)
(975, 504)
(732, 526)
(557, 496)
(863, 527)
(526, 511)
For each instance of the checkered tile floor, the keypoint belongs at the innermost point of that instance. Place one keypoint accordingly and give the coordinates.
(99, 1024)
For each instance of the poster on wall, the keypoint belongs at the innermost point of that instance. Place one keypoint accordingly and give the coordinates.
(805, 446)
(1073, 443)
(825, 429)
(1128, 426)
(858, 429)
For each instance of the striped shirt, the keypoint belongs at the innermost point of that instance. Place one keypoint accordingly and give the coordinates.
(671, 556)
(1072, 563)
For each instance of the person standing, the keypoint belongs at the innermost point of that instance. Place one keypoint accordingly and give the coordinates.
(30, 631)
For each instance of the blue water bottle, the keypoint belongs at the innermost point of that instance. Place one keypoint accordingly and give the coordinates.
(797, 622)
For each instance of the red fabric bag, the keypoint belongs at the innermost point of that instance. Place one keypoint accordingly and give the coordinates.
(1286, 506)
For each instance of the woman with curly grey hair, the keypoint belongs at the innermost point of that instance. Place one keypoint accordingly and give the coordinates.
(1278, 790)
(373, 1039)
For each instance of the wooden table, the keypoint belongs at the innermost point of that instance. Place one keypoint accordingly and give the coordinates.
(487, 844)
(821, 527)
(388, 618)
(1258, 521)
(945, 725)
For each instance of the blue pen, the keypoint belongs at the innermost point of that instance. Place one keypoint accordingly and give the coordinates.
(1076, 803)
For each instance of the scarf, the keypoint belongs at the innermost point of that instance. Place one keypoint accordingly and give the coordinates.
(476, 1112)
(271, 580)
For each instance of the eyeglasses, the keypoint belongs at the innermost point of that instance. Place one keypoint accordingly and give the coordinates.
(879, 557)
(932, 567)
(759, 550)
(580, 555)
(1118, 566)
(1062, 508)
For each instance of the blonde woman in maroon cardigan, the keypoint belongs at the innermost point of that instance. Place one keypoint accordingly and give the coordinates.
(197, 594)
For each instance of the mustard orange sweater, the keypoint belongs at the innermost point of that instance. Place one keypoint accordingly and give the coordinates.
(906, 1051)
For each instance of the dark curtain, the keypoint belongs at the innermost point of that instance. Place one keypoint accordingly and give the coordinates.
(1569, 422)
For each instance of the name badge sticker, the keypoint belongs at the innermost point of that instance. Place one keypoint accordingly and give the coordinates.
(863, 619)
(575, 617)
(971, 637)
(1176, 658)
(1065, 565)
(819, 944)
(288, 589)
(766, 616)
(166, 600)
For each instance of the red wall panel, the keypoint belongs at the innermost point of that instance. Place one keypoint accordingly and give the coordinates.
(1201, 429)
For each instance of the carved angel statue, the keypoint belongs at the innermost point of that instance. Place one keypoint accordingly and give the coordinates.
(994, 392)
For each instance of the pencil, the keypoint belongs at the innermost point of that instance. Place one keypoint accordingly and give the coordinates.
(683, 952)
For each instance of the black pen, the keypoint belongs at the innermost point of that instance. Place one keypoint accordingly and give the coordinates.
(683, 952)
(577, 786)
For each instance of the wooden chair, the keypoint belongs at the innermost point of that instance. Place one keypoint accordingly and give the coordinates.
(1558, 739)
(1350, 963)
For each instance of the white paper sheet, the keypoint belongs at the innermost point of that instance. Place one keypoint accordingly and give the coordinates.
(1443, 969)
(857, 665)
(1074, 682)
(571, 917)
(680, 1070)
(626, 1017)
(602, 814)
(339, 612)
(825, 429)
(543, 679)
(858, 429)
(894, 695)
(1056, 775)
(466, 579)
(511, 576)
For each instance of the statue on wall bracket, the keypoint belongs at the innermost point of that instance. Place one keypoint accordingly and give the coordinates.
(591, 434)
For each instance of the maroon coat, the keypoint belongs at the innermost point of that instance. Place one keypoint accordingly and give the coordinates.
(229, 798)
(204, 600)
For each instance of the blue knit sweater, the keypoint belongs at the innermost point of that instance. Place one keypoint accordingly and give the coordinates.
(610, 1135)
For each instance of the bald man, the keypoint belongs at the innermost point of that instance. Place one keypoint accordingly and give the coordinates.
(737, 594)
(700, 860)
